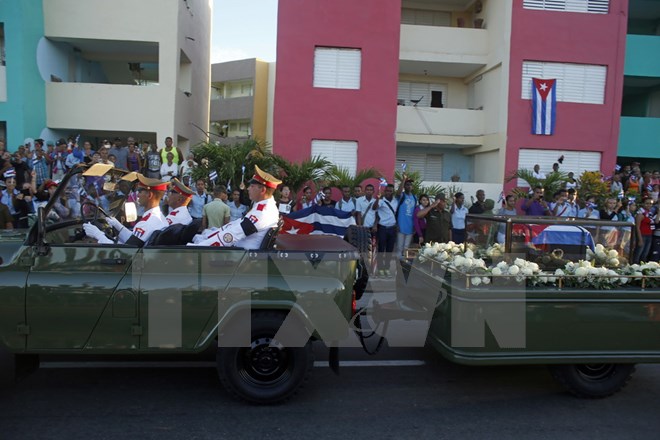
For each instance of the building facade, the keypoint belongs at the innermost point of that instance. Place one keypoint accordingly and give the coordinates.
(103, 69)
(446, 84)
(239, 101)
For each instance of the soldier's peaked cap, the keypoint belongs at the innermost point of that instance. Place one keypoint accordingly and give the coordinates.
(181, 188)
(263, 178)
(151, 184)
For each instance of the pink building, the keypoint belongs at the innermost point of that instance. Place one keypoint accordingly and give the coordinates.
(446, 85)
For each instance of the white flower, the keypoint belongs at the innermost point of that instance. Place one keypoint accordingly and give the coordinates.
(570, 266)
(552, 279)
(613, 254)
(581, 271)
(476, 281)
(601, 255)
(527, 271)
(623, 280)
(502, 265)
(543, 279)
(468, 254)
(442, 256)
(559, 273)
(519, 262)
(513, 270)
(496, 271)
(534, 267)
(613, 262)
(600, 248)
(485, 280)
(459, 261)
(455, 250)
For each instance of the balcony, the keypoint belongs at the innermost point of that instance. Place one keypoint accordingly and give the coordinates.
(639, 59)
(442, 51)
(234, 108)
(440, 125)
(639, 137)
(106, 106)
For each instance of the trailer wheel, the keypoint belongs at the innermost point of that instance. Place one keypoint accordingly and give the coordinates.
(593, 381)
(266, 372)
(360, 238)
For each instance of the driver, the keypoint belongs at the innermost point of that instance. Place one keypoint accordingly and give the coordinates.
(150, 192)
(248, 232)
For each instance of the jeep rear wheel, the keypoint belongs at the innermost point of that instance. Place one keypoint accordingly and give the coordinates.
(593, 381)
(266, 372)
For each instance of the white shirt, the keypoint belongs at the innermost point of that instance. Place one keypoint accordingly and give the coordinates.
(151, 221)
(538, 175)
(363, 206)
(346, 206)
(263, 215)
(165, 169)
(179, 216)
(385, 214)
(458, 217)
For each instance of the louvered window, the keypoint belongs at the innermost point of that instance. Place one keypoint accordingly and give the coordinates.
(575, 161)
(428, 165)
(340, 153)
(337, 68)
(587, 6)
(581, 83)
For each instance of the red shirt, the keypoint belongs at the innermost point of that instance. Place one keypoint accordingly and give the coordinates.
(645, 225)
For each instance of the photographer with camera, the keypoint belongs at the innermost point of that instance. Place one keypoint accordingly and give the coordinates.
(535, 205)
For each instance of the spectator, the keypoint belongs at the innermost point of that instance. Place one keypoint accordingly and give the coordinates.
(326, 198)
(509, 209)
(58, 158)
(6, 219)
(634, 181)
(627, 211)
(357, 191)
(169, 169)
(104, 156)
(478, 206)
(537, 174)
(616, 186)
(133, 159)
(186, 169)
(169, 148)
(438, 221)
(644, 220)
(285, 204)
(563, 208)
(216, 213)
(610, 211)
(535, 205)
(88, 152)
(366, 216)
(306, 200)
(120, 153)
(571, 183)
(406, 202)
(458, 212)
(153, 162)
(347, 202)
(590, 209)
(555, 167)
(489, 204)
(386, 208)
(236, 208)
(420, 222)
(199, 199)
(144, 151)
(572, 203)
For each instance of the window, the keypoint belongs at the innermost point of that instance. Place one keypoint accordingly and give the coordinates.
(341, 153)
(429, 165)
(336, 68)
(588, 6)
(429, 95)
(575, 161)
(581, 83)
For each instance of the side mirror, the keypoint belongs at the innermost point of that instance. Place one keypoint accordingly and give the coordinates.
(130, 212)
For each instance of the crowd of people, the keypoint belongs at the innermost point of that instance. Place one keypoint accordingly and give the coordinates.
(397, 217)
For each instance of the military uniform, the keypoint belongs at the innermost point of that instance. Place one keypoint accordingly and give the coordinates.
(180, 215)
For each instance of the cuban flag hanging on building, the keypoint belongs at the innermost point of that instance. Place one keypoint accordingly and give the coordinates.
(544, 105)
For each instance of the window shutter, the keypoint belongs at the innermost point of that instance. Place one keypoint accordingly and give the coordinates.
(575, 161)
(587, 6)
(340, 153)
(428, 165)
(581, 83)
(337, 68)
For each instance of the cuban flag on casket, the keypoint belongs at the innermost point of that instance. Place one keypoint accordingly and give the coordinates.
(317, 220)
(573, 240)
(544, 106)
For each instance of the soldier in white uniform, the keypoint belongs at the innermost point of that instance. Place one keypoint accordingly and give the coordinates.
(178, 199)
(249, 231)
(150, 192)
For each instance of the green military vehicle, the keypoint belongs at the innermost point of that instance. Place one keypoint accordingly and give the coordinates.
(553, 291)
(64, 294)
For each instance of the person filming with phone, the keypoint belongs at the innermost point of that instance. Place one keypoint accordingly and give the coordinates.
(535, 205)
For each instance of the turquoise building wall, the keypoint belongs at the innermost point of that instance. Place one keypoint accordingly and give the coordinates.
(24, 111)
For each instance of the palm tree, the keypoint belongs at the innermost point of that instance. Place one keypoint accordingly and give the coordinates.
(339, 176)
(552, 183)
(296, 175)
(418, 184)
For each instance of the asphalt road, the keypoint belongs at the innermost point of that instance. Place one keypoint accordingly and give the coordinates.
(419, 396)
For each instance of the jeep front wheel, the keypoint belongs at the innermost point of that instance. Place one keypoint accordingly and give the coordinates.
(266, 372)
(593, 381)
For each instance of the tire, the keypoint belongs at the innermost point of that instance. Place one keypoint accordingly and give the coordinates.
(593, 381)
(360, 238)
(266, 372)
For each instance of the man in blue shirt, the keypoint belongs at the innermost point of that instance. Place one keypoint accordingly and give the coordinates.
(406, 201)
(199, 199)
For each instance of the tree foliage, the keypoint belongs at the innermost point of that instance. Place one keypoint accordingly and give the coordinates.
(552, 183)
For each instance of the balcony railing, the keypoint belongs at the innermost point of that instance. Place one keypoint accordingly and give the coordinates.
(439, 121)
(443, 44)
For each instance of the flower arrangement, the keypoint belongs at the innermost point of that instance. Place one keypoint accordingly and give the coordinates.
(602, 270)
